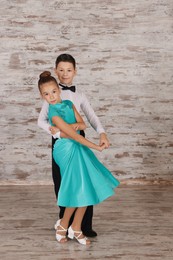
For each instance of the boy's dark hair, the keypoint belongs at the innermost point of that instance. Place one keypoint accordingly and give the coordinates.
(65, 58)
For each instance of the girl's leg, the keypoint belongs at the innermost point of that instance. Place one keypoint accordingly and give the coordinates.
(77, 222)
(76, 225)
(64, 223)
(78, 217)
(66, 217)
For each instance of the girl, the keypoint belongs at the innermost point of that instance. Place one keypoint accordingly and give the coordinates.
(84, 180)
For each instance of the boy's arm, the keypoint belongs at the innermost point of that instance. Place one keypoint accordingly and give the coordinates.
(94, 120)
(43, 120)
(91, 116)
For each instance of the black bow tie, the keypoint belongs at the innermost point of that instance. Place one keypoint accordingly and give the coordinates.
(72, 88)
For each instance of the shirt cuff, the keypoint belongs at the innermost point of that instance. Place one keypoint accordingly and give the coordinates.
(57, 135)
(100, 131)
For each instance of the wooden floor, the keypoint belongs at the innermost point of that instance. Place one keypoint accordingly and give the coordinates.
(135, 224)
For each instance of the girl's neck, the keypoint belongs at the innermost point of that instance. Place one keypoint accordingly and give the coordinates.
(58, 102)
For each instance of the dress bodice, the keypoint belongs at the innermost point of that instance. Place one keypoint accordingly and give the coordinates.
(63, 110)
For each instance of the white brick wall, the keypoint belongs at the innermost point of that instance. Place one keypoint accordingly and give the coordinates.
(124, 54)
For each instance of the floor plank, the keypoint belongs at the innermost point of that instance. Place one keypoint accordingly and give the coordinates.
(135, 224)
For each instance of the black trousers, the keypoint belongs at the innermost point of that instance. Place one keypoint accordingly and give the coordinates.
(87, 219)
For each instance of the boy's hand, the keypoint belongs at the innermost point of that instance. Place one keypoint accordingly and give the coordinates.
(101, 147)
(104, 140)
(53, 130)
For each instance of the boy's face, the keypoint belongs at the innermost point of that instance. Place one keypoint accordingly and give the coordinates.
(65, 72)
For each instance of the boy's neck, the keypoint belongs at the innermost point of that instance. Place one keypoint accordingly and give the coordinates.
(65, 85)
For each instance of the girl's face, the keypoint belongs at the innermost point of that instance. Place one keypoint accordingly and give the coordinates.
(65, 72)
(50, 92)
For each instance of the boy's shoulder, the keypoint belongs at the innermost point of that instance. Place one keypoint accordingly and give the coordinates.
(79, 92)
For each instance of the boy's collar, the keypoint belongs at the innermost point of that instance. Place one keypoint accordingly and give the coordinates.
(65, 87)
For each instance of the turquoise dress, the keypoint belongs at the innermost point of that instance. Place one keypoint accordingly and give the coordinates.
(84, 179)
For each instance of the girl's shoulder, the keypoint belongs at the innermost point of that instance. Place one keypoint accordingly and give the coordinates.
(68, 102)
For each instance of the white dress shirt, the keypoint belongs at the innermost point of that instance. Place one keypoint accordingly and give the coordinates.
(81, 103)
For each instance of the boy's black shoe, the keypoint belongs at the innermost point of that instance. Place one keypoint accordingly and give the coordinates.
(90, 233)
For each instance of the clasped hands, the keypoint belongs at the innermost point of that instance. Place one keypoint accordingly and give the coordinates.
(103, 143)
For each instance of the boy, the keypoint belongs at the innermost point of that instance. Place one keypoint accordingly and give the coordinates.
(65, 69)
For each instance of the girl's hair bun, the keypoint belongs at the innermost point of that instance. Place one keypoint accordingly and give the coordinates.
(45, 74)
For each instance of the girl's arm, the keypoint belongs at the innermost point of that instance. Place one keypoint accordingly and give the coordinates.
(80, 124)
(69, 131)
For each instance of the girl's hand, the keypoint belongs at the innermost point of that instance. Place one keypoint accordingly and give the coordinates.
(75, 126)
(53, 130)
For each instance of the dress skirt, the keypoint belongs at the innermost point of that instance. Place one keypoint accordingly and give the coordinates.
(84, 179)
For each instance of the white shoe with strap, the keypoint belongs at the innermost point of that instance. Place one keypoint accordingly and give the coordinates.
(57, 224)
(71, 235)
(60, 237)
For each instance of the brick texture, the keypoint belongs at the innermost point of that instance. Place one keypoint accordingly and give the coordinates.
(124, 53)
